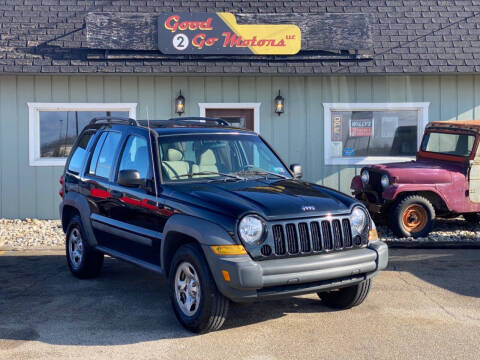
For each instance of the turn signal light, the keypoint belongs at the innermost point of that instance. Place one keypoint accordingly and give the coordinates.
(226, 275)
(372, 235)
(228, 250)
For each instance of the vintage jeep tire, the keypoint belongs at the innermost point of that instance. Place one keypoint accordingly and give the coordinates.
(83, 260)
(413, 216)
(347, 297)
(472, 217)
(189, 273)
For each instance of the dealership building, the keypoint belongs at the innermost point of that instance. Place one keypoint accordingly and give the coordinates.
(332, 85)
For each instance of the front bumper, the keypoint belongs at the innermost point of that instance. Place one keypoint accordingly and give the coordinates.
(251, 280)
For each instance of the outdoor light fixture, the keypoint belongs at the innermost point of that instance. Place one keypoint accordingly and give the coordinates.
(180, 104)
(279, 104)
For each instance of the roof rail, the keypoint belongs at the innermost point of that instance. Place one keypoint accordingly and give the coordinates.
(196, 119)
(114, 120)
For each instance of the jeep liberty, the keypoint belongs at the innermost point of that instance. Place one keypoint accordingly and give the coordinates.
(217, 212)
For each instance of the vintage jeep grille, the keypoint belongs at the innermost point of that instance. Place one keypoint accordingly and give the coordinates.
(311, 236)
(375, 181)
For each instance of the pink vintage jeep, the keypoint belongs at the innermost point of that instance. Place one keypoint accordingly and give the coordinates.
(443, 181)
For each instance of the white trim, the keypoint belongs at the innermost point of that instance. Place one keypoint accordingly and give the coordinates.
(421, 107)
(34, 124)
(254, 106)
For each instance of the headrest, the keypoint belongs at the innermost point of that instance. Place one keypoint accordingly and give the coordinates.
(208, 158)
(174, 155)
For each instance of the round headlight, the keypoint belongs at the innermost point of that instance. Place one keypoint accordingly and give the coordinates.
(385, 180)
(251, 229)
(365, 176)
(359, 220)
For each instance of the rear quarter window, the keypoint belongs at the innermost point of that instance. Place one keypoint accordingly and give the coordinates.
(102, 160)
(80, 152)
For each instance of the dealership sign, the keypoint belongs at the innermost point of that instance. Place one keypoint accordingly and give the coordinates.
(219, 34)
(361, 128)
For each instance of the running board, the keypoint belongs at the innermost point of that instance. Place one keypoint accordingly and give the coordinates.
(130, 259)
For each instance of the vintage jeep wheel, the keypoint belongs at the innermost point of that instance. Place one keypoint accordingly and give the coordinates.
(83, 260)
(413, 216)
(472, 217)
(196, 301)
(347, 297)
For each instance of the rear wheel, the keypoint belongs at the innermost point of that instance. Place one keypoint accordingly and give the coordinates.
(347, 297)
(413, 216)
(83, 260)
(196, 301)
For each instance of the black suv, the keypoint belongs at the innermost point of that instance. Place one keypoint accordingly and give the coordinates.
(215, 210)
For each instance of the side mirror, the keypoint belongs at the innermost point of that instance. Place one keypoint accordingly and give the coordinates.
(130, 178)
(297, 170)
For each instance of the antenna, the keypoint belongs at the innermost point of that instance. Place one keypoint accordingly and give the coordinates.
(151, 154)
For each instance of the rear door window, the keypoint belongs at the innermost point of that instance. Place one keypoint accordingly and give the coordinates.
(78, 156)
(102, 160)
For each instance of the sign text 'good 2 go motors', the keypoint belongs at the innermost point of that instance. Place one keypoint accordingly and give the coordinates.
(219, 33)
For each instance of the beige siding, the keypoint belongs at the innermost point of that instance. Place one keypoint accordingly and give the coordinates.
(297, 135)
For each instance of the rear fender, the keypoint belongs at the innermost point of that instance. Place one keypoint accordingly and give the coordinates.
(80, 203)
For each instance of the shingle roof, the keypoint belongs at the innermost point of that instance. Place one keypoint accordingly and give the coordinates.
(410, 36)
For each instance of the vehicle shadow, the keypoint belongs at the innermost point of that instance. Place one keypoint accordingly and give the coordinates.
(455, 270)
(41, 300)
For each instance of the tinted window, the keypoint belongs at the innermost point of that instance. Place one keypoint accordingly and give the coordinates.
(135, 156)
(59, 129)
(102, 159)
(78, 156)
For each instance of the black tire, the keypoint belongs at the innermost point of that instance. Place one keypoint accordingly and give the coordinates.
(472, 217)
(213, 306)
(347, 297)
(90, 263)
(423, 214)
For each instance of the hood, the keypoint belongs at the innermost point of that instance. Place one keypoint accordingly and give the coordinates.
(421, 171)
(272, 199)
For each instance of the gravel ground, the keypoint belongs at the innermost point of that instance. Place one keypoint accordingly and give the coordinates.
(48, 234)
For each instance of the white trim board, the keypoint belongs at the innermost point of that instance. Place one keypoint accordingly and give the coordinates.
(421, 107)
(254, 106)
(34, 109)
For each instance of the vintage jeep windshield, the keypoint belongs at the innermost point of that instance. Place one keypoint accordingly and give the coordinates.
(207, 157)
(448, 143)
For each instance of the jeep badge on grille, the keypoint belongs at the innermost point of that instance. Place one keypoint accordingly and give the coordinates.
(308, 208)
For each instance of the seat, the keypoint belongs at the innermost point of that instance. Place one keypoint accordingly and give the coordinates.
(175, 167)
(208, 161)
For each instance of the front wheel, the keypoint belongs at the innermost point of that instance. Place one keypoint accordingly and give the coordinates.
(413, 216)
(196, 301)
(347, 297)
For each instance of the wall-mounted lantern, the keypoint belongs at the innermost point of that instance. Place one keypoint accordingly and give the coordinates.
(180, 104)
(279, 102)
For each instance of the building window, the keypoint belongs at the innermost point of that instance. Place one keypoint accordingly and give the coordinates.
(361, 133)
(54, 127)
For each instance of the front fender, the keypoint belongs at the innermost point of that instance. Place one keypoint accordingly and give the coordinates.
(357, 183)
(205, 232)
(393, 191)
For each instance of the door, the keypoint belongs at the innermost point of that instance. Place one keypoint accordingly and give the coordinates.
(242, 118)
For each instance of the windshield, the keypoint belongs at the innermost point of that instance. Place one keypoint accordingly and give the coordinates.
(211, 157)
(449, 144)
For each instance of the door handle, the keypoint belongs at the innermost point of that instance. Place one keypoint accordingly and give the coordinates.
(116, 194)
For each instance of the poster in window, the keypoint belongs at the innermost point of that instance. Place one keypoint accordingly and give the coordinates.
(389, 125)
(361, 127)
(337, 127)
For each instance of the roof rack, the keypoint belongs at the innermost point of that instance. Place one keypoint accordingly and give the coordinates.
(114, 120)
(196, 119)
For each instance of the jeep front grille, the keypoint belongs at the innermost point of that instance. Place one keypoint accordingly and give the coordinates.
(311, 237)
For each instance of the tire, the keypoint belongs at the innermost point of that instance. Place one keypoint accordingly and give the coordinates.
(83, 260)
(206, 312)
(412, 216)
(347, 297)
(472, 217)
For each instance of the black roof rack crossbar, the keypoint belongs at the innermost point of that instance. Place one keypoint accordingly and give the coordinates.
(193, 119)
(114, 120)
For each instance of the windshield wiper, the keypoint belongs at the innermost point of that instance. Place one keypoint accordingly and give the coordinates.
(191, 175)
(263, 172)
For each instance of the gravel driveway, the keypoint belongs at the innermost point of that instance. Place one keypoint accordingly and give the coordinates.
(48, 234)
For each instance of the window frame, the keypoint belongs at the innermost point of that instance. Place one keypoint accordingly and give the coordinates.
(422, 121)
(34, 110)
